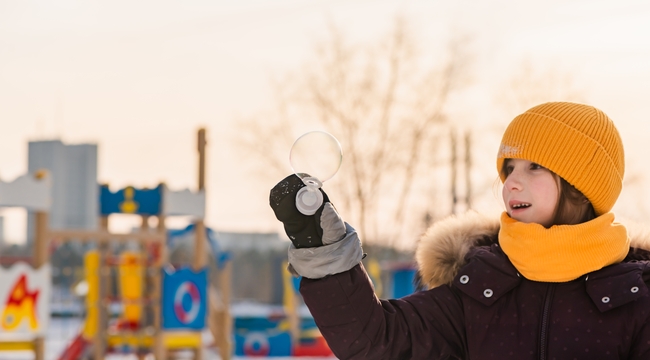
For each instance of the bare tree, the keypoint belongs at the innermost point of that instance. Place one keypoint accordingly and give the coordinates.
(531, 85)
(386, 104)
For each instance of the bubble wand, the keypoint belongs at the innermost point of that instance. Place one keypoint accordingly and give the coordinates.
(315, 157)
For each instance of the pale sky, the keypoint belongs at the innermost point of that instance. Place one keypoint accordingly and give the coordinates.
(140, 77)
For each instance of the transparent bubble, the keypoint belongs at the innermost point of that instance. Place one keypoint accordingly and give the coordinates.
(317, 154)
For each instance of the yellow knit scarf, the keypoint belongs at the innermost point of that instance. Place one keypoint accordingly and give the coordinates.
(563, 252)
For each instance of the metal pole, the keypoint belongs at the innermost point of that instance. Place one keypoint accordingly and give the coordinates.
(468, 169)
(454, 193)
(39, 258)
(199, 229)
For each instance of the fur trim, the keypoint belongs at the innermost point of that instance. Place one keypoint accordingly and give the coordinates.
(442, 249)
(639, 235)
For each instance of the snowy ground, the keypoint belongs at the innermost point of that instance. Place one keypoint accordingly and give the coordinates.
(63, 330)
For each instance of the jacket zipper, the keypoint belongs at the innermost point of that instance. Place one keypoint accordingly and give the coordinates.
(545, 321)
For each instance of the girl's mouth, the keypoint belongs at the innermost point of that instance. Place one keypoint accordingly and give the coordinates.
(522, 205)
(519, 207)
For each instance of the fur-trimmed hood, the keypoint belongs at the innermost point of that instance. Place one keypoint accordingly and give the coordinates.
(441, 250)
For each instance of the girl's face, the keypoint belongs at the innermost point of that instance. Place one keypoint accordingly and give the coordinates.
(530, 192)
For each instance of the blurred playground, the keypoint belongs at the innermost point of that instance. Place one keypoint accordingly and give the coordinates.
(128, 298)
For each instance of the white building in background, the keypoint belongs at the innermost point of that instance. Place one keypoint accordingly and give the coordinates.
(2, 231)
(75, 192)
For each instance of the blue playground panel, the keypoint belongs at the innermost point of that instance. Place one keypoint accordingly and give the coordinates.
(256, 336)
(402, 280)
(130, 201)
(184, 303)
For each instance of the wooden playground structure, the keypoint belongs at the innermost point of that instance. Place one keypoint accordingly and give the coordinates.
(141, 273)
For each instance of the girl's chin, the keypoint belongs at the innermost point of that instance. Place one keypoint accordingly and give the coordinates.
(517, 215)
(521, 218)
(524, 220)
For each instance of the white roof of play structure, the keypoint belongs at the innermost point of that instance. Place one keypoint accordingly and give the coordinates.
(28, 192)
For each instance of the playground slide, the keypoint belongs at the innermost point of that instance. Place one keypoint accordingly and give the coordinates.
(76, 349)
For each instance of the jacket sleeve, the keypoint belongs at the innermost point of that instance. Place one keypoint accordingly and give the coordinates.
(357, 325)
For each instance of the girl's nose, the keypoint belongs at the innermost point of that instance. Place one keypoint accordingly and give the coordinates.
(513, 181)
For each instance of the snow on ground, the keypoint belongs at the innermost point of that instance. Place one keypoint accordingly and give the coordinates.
(63, 330)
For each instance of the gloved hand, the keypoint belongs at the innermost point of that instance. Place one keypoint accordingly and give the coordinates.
(323, 228)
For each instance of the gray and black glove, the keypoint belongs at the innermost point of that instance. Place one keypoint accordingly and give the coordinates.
(323, 228)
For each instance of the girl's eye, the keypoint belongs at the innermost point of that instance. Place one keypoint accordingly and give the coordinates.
(534, 166)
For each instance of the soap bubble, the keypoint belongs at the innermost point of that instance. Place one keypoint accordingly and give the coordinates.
(315, 157)
(316, 154)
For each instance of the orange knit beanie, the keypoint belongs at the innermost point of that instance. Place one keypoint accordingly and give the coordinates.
(577, 142)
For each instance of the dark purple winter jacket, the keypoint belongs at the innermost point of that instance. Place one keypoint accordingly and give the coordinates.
(478, 306)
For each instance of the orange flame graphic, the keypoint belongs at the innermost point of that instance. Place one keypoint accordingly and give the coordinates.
(20, 304)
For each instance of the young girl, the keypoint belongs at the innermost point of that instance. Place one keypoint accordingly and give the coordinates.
(554, 278)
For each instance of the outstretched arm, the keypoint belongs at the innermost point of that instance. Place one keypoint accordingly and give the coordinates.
(327, 253)
(357, 325)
